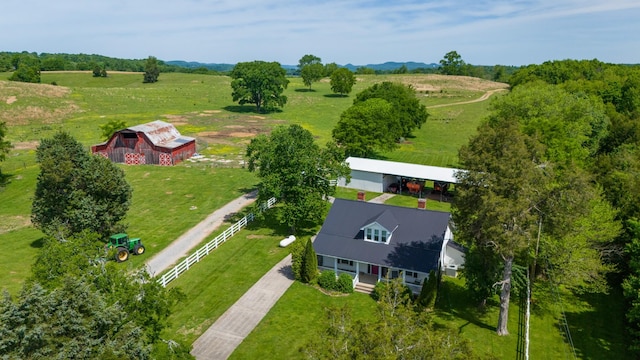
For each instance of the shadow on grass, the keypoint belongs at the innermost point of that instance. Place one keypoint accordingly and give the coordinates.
(4, 179)
(454, 301)
(38, 243)
(247, 109)
(596, 326)
(241, 109)
(305, 90)
(336, 95)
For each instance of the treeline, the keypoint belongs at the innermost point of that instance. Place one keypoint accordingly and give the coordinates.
(10, 61)
(614, 165)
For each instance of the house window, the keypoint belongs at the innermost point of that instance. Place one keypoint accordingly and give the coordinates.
(368, 236)
(345, 262)
(412, 274)
(376, 235)
(383, 237)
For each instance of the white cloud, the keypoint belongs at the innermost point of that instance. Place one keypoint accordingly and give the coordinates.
(360, 31)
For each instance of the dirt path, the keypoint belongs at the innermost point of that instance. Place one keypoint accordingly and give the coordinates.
(484, 97)
(194, 236)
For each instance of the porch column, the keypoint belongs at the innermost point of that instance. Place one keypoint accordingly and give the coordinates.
(357, 267)
(379, 273)
(403, 278)
(335, 266)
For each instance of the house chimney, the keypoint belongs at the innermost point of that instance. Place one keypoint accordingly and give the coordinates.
(361, 196)
(422, 204)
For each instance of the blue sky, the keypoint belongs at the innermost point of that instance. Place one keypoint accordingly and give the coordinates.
(483, 32)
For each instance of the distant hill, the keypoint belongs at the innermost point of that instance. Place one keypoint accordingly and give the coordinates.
(196, 65)
(390, 65)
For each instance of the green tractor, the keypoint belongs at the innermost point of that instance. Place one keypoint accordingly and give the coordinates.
(124, 246)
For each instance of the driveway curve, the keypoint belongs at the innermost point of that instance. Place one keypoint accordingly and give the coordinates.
(194, 236)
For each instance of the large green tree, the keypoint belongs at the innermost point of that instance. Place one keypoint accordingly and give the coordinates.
(308, 59)
(77, 191)
(525, 173)
(368, 127)
(342, 81)
(108, 129)
(312, 73)
(496, 198)
(260, 83)
(407, 109)
(296, 171)
(70, 322)
(452, 64)
(27, 68)
(151, 70)
(330, 68)
(311, 69)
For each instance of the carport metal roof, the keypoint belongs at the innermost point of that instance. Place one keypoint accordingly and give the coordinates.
(416, 171)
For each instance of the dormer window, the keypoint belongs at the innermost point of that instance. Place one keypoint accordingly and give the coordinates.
(376, 234)
(380, 228)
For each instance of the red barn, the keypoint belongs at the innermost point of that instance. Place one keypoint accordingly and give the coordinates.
(156, 142)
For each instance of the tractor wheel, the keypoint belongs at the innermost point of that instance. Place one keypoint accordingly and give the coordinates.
(122, 254)
(139, 249)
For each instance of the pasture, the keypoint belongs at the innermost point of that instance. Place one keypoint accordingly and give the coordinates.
(168, 201)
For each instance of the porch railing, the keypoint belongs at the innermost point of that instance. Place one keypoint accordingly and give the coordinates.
(211, 245)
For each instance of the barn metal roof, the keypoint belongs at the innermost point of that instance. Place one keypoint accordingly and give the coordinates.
(404, 169)
(162, 134)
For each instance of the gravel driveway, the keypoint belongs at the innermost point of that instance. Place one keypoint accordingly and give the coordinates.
(194, 236)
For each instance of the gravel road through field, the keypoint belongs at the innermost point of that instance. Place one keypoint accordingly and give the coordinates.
(194, 236)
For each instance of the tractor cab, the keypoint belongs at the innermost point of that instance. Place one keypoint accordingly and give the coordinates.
(118, 239)
(124, 245)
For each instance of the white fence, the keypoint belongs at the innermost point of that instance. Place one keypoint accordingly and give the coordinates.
(211, 245)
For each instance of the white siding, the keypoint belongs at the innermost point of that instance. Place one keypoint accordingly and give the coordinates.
(453, 257)
(363, 180)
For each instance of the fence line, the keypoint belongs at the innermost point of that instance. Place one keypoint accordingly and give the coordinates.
(211, 245)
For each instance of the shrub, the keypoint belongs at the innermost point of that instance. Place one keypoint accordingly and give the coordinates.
(297, 252)
(327, 280)
(381, 288)
(427, 298)
(344, 284)
(385, 288)
(309, 269)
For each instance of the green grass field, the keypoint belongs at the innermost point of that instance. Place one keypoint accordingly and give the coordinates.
(168, 201)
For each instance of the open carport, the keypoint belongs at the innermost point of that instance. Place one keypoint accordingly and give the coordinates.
(390, 176)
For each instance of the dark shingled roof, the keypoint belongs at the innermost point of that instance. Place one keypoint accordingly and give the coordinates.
(415, 244)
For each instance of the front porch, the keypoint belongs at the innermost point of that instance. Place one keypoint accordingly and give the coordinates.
(365, 276)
